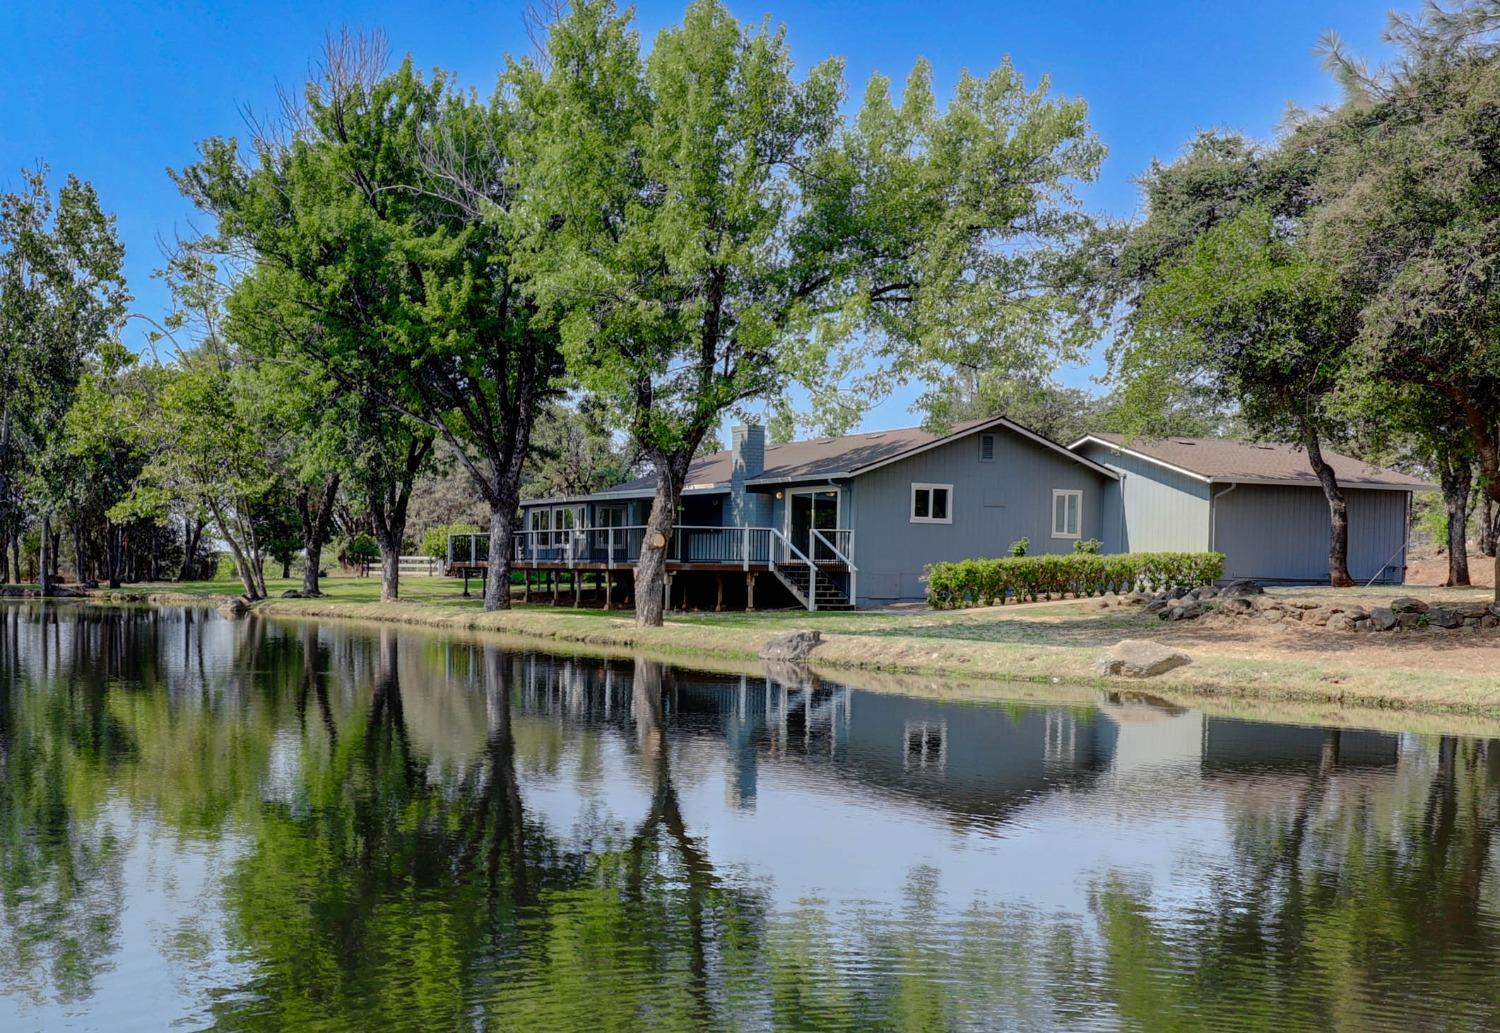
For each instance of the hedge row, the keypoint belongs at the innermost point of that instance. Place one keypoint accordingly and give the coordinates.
(989, 581)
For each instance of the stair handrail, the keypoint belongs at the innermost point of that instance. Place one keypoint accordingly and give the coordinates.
(820, 536)
(812, 568)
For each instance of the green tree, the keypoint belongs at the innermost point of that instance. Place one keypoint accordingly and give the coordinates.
(1221, 297)
(62, 296)
(707, 229)
(415, 306)
(1412, 217)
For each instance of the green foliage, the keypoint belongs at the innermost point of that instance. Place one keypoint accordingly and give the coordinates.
(1019, 547)
(435, 540)
(985, 582)
(357, 549)
(1089, 545)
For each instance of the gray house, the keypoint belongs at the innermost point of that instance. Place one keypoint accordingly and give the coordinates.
(836, 522)
(832, 521)
(1258, 504)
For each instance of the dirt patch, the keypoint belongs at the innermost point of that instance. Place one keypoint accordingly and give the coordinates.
(1427, 566)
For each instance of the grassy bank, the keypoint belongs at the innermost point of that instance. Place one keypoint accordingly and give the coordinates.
(1049, 643)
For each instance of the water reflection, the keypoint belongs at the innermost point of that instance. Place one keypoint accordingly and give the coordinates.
(255, 826)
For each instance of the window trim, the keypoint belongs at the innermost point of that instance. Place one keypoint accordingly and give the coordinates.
(911, 504)
(1064, 492)
(994, 447)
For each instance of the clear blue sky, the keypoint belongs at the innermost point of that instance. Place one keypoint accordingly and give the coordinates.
(119, 91)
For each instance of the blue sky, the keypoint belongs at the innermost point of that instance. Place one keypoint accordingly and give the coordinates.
(120, 91)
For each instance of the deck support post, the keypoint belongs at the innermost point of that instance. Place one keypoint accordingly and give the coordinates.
(666, 589)
(750, 591)
(719, 595)
(525, 586)
(609, 590)
(466, 582)
(577, 588)
(553, 581)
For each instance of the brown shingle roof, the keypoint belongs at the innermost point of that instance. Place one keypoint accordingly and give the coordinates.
(1223, 460)
(828, 457)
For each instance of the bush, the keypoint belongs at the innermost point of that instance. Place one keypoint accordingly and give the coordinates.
(435, 541)
(984, 582)
(1092, 546)
(1020, 547)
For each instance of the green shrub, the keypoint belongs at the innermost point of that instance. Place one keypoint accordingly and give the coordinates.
(985, 582)
(1092, 546)
(1020, 547)
(435, 541)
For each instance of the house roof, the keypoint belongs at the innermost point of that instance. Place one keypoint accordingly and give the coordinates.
(846, 456)
(1220, 460)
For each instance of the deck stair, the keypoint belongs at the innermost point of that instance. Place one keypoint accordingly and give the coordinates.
(826, 595)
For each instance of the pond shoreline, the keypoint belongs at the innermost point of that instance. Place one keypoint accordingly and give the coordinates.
(1357, 681)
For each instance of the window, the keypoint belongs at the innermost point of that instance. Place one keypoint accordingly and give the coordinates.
(1067, 514)
(926, 745)
(986, 448)
(932, 503)
(541, 519)
(565, 519)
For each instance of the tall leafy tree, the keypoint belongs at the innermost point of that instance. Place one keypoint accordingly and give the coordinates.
(707, 229)
(1221, 296)
(401, 262)
(1412, 221)
(62, 296)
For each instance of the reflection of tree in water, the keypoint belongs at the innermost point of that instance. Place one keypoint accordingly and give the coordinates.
(61, 881)
(1360, 902)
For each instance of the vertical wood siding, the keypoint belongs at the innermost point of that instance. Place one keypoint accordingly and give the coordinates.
(1277, 533)
(1164, 511)
(993, 504)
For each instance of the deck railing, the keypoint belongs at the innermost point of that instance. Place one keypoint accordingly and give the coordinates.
(621, 546)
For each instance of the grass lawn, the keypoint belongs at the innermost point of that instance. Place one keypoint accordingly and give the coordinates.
(1233, 659)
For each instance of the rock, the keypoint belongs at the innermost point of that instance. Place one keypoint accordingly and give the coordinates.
(1293, 614)
(1236, 606)
(1409, 620)
(1356, 613)
(1495, 609)
(1241, 587)
(1471, 610)
(791, 645)
(234, 606)
(1134, 599)
(1383, 618)
(1442, 617)
(1364, 625)
(1157, 605)
(1141, 658)
(1177, 592)
(1408, 604)
(1183, 611)
(1491, 621)
(1318, 617)
(1341, 622)
(1273, 614)
(1302, 604)
(291, 593)
(1206, 592)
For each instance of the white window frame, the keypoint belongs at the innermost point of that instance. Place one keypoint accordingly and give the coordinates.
(911, 507)
(1065, 492)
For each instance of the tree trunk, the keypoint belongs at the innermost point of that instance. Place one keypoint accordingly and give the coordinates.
(1489, 527)
(390, 571)
(44, 558)
(1338, 512)
(388, 506)
(1456, 474)
(4, 559)
(316, 517)
(497, 573)
(651, 570)
(15, 555)
(192, 534)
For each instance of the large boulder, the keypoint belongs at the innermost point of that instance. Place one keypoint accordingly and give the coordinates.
(791, 645)
(1141, 658)
(234, 606)
(1408, 604)
(1183, 610)
(1383, 618)
(1443, 617)
(1240, 587)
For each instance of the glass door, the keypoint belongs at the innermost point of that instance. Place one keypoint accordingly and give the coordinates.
(810, 509)
(611, 542)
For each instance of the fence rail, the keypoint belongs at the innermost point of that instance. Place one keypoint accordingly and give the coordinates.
(621, 546)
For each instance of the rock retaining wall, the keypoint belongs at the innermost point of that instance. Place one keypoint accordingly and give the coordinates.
(1251, 603)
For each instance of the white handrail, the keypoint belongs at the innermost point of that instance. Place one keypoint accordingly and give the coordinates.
(853, 570)
(812, 570)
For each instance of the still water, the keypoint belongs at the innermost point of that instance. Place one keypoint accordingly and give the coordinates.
(210, 824)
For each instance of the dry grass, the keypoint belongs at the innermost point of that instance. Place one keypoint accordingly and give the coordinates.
(1246, 661)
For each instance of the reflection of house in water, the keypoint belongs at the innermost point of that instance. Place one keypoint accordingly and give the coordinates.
(977, 763)
(1231, 746)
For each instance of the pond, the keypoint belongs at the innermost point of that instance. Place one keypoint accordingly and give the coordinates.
(255, 825)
